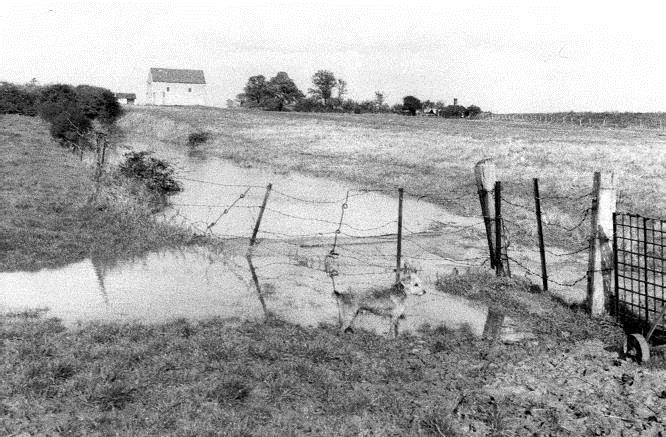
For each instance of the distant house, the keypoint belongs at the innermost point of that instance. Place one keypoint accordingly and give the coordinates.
(125, 98)
(167, 86)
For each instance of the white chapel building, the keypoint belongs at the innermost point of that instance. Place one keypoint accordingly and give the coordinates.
(168, 86)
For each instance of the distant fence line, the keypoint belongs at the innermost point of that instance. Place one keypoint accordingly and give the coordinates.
(606, 121)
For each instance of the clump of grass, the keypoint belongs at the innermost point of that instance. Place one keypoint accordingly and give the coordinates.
(197, 138)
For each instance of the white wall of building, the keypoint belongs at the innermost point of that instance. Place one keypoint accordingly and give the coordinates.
(162, 93)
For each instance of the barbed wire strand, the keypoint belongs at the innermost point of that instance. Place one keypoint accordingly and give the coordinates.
(533, 273)
(228, 208)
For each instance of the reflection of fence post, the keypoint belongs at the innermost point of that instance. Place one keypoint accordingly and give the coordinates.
(261, 214)
(485, 174)
(399, 249)
(601, 254)
(255, 279)
(542, 248)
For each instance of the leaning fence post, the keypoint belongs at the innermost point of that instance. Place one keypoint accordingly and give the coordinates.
(399, 248)
(261, 214)
(486, 174)
(542, 248)
(601, 254)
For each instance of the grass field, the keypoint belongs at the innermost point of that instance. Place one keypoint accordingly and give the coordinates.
(432, 156)
(46, 219)
(215, 377)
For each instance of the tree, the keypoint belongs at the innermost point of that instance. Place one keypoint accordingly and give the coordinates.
(472, 111)
(282, 91)
(16, 100)
(98, 103)
(379, 98)
(342, 88)
(256, 90)
(55, 99)
(412, 104)
(454, 111)
(324, 82)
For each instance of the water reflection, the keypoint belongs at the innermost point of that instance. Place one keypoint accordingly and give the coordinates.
(199, 283)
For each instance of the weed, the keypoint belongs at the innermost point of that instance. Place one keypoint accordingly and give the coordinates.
(197, 138)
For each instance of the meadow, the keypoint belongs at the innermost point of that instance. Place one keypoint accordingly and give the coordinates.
(47, 218)
(232, 377)
(432, 157)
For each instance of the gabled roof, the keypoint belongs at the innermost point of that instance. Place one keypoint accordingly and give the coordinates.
(129, 96)
(171, 75)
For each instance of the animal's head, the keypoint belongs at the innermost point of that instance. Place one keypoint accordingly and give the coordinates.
(410, 283)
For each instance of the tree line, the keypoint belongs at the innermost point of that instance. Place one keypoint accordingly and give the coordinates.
(327, 94)
(71, 111)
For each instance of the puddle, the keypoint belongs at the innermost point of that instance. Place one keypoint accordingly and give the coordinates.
(199, 284)
(297, 231)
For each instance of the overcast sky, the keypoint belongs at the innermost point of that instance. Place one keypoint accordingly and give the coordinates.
(504, 56)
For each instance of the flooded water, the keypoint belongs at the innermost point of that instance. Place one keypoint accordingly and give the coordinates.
(305, 219)
(198, 284)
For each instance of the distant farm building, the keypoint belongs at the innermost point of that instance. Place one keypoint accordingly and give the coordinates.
(126, 98)
(167, 86)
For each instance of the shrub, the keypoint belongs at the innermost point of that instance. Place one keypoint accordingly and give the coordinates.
(197, 138)
(98, 103)
(70, 127)
(472, 111)
(56, 99)
(454, 111)
(17, 100)
(156, 174)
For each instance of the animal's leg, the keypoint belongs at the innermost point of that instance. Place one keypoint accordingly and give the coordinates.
(346, 324)
(395, 319)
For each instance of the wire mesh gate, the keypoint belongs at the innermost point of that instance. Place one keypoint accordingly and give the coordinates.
(640, 263)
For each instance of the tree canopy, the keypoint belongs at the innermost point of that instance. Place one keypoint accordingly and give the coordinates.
(256, 89)
(283, 91)
(412, 104)
(324, 81)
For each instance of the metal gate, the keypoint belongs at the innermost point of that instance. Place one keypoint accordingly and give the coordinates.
(640, 265)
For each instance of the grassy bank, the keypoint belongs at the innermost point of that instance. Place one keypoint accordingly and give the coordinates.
(46, 219)
(433, 157)
(239, 378)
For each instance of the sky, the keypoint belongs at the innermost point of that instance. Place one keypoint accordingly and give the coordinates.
(504, 56)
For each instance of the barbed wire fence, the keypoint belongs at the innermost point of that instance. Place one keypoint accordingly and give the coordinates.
(321, 234)
(547, 229)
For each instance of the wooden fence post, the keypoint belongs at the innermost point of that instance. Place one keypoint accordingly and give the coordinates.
(399, 248)
(542, 248)
(501, 257)
(486, 175)
(600, 263)
(261, 214)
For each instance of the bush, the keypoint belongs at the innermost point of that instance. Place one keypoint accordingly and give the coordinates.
(472, 111)
(56, 99)
(197, 138)
(157, 175)
(17, 100)
(98, 103)
(454, 111)
(70, 127)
